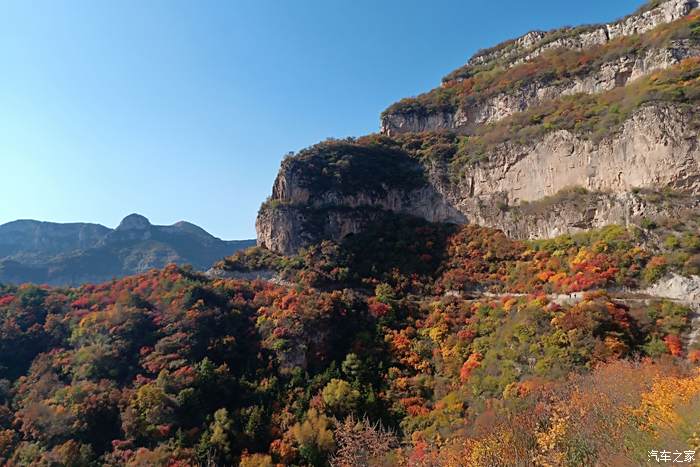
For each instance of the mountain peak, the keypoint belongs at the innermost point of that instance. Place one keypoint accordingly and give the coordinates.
(134, 222)
(191, 228)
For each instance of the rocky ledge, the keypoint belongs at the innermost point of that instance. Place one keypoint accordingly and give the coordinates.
(543, 66)
(536, 43)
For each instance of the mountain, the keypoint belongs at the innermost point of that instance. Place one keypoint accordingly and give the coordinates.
(75, 253)
(377, 323)
(554, 132)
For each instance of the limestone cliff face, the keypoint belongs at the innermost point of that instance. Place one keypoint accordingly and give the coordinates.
(535, 43)
(525, 190)
(575, 211)
(287, 229)
(306, 206)
(621, 68)
(609, 75)
(555, 180)
(655, 148)
(293, 188)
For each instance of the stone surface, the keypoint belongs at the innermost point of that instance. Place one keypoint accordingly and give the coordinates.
(134, 222)
(677, 287)
(537, 42)
(654, 149)
(611, 74)
(685, 290)
(518, 189)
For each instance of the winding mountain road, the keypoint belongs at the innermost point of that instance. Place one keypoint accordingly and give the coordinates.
(674, 287)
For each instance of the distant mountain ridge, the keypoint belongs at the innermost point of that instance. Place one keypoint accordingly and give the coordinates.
(76, 253)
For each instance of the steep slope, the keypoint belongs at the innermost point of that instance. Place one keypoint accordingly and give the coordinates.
(538, 137)
(541, 66)
(71, 254)
(443, 334)
(335, 188)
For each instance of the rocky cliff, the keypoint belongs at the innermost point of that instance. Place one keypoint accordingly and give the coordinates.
(535, 43)
(481, 109)
(548, 134)
(335, 188)
(657, 146)
(543, 66)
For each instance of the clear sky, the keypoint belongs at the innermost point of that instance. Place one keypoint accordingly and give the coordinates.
(182, 109)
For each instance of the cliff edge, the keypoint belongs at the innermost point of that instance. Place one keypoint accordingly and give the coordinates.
(551, 133)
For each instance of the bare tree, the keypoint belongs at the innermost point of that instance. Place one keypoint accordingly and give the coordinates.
(362, 443)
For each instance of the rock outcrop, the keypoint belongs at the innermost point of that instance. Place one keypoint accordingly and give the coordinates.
(685, 290)
(615, 61)
(572, 211)
(607, 76)
(308, 205)
(536, 43)
(522, 167)
(677, 287)
(655, 148)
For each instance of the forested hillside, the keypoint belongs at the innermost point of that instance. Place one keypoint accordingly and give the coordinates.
(415, 344)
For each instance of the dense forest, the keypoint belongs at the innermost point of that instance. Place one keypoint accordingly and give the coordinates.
(408, 344)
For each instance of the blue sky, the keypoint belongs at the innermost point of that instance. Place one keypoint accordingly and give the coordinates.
(182, 110)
